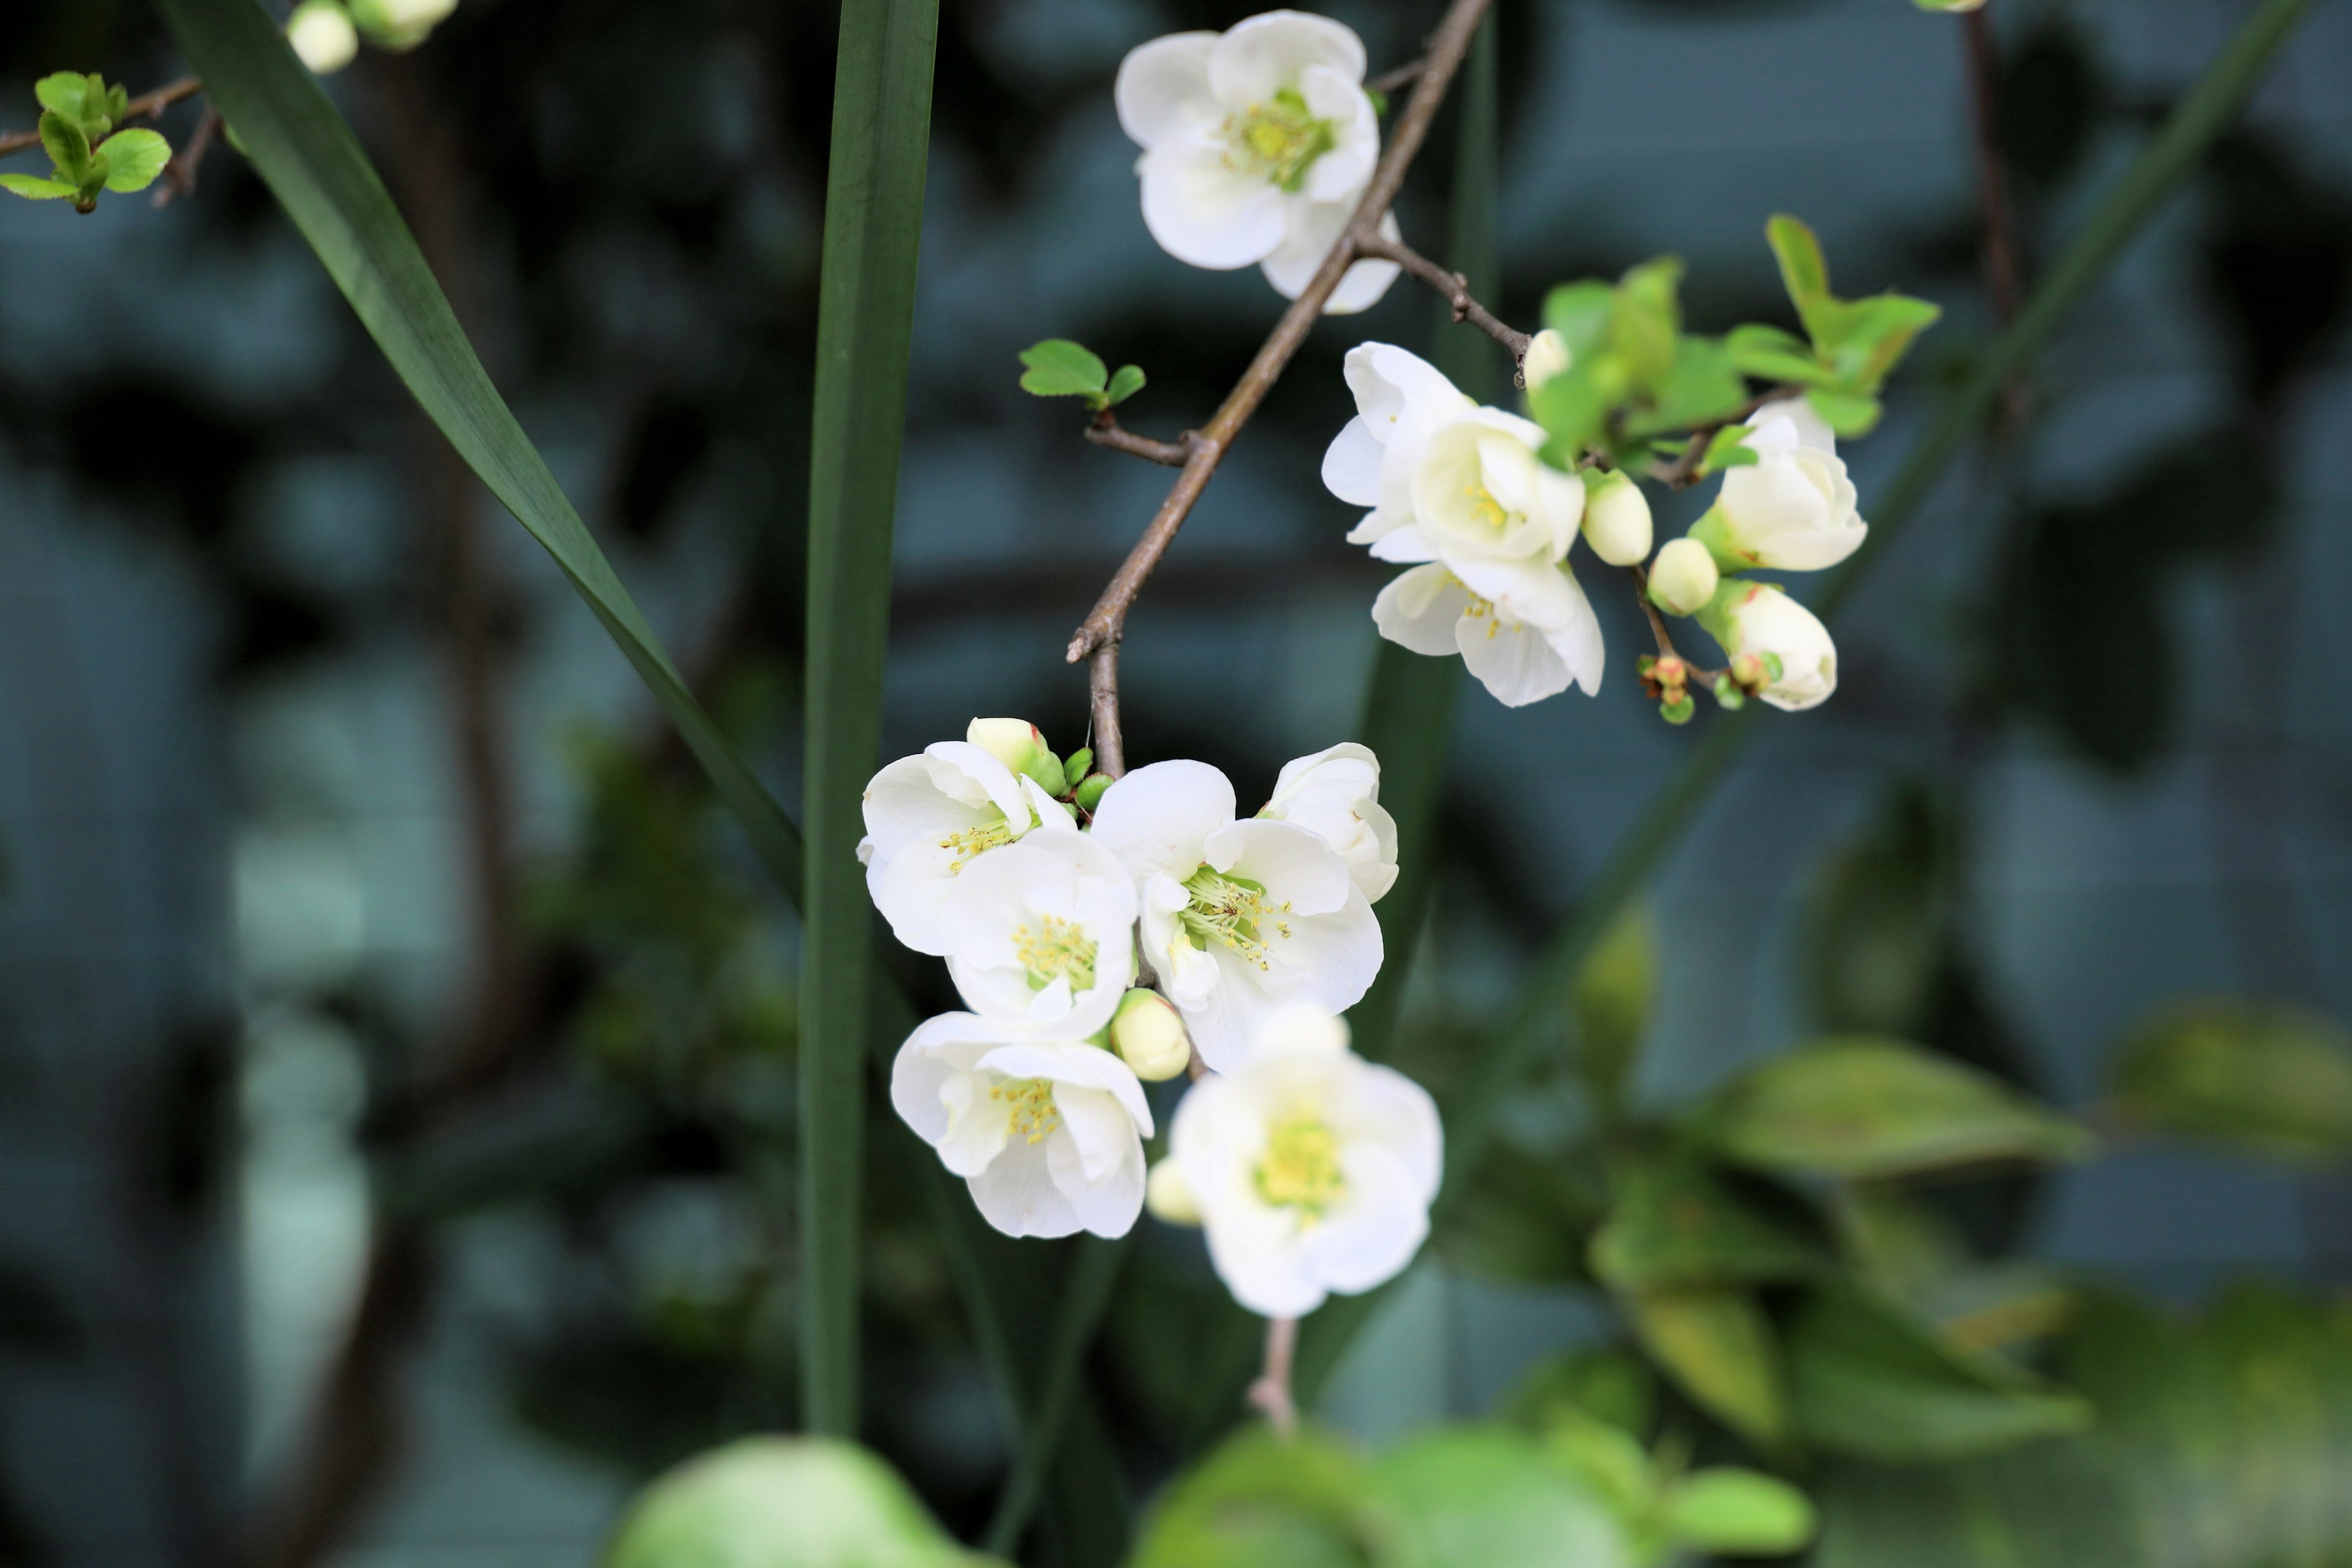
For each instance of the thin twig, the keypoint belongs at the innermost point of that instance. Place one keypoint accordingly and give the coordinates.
(2000, 247)
(1403, 76)
(1454, 289)
(1097, 636)
(1683, 472)
(180, 174)
(1271, 1392)
(1107, 431)
(147, 106)
(1665, 641)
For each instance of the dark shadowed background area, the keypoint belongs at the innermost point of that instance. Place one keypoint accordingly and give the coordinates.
(396, 1048)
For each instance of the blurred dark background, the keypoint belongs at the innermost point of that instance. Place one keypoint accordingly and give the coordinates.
(396, 1046)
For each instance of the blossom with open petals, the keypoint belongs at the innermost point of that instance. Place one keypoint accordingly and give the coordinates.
(928, 817)
(1758, 618)
(1459, 490)
(1793, 509)
(1257, 145)
(1336, 795)
(1311, 1169)
(1238, 917)
(1045, 935)
(1048, 1134)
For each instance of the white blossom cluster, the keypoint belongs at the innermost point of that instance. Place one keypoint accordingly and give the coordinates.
(1096, 950)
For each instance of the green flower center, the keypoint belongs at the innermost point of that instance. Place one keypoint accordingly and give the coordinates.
(1029, 1109)
(1055, 948)
(1280, 139)
(1232, 911)
(1301, 1166)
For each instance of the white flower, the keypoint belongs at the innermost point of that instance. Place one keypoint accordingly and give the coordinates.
(1045, 935)
(1238, 917)
(1461, 488)
(1334, 794)
(1758, 618)
(927, 817)
(1616, 517)
(322, 35)
(1683, 577)
(1793, 509)
(1311, 1169)
(1048, 1134)
(1257, 145)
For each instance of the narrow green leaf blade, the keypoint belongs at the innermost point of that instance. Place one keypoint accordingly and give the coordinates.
(873, 205)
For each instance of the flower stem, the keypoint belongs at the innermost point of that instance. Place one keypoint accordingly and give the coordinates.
(1271, 1393)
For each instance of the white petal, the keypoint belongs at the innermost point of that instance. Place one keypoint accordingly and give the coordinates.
(1157, 819)
(1351, 465)
(1376, 1228)
(1350, 767)
(1336, 956)
(1225, 1021)
(1205, 214)
(1513, 662)
(978, 1126)
(940, 1048)
(1532, 592)
(1163, 87)
(1263, 1264)
(1306, 1027)
(1017, 1195)
(1386, 1107)
(1311, 228)
(1806, 425)
(1344, 169)
(1582, 648)
(1294, 866)
(1257, 57)
(1406, 546)
(1090, 1068)
(1420, 609)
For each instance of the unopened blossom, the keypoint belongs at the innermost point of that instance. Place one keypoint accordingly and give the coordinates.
(1336, 795)
(1048, 1134)
(321, 34)
(1020, 746)
(930, 816)
(1460, 489)
(1683, 577)
(400, 24)
(1793, 509)
(1548, 355)
(1149, 1035)
(1755, 618)
(1238, 917)
(1616, 518)
(1045, 935)
(1257, 143)
(1311, 1170)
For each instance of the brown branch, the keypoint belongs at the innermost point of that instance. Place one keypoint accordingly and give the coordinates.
(180, 174)
(1271, 1392)
(1107, 431)
(1683, 472)
(147, 106)
(1666, 649)
(1097, 636)
(1404, 75)
(1454, 289)
(2001, 245)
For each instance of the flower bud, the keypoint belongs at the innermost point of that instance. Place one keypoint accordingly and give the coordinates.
(1799, 661)
(322, 35)
(1090, 791)
(1017, 743)
(1682, 578)
(400, 24)
(1169, 1195)
(1149, 1036)
(1616, 518)
(1074, 769)
(1546, 356)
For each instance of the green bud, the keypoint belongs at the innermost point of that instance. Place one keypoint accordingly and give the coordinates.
(1090, 792)
(1017, 744)
(1727, 692)
(1150, 1037)
(1075, 770)
(1678, 712)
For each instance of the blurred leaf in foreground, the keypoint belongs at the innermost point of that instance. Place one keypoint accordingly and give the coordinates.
(2271, 1081)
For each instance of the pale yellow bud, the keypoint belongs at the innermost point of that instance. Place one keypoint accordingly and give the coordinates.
(1546, 356)
(1616, 518)
(1169, 1195)
(322, 35)
(1015, 742)
(1682, 578)
(1150, 1037)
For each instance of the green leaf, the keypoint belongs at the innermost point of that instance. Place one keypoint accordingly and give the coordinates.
(1715, 1345)
(1847, 414)
(34, 189)
(1869, 337)
(1803, 271)
(1699, 388)
(1060, 368)
(1125, 383)
(1739, 1512)
(1727, 448)
(782, 1503)
(865, 307)
(2274, 1082)
(1862, 1105)
(68, 148)
(1645, 321)
(1489, 1496)
(1612, 1387)
(64, 93)
(1260, 1502)
(1581, 314)
(1674, 1223)
(1610, 1003)
(1868, 1379)
(133, 159)
(1771, 354)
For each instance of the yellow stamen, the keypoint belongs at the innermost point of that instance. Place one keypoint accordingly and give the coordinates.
(1300, 1169)
(1058, 948)
(1234, 911)
(1029, 1109)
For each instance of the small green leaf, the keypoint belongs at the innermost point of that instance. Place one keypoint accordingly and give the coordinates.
(1771, 354)
(783, 1502)
(34, 189)
(1261, 1503)
(1126, 383)
(1803, 271)
(1868, 1379)
(1859, 1106)
(1580, 313)
(1645, 321)
(1847, 415)
(1060, 368)
(2271, 1081)
(1674, 1223)
(63, 94)
(133, 159)
(118, 103)
(1075, 770)
(1715, 1342)
(1727, 448)
(68, 149)
(1492, 1497)
(1699, 387)
(1740, 1512)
